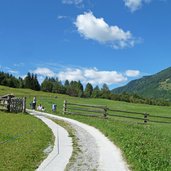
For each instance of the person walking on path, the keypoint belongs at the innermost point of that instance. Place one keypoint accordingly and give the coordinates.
(34, 103)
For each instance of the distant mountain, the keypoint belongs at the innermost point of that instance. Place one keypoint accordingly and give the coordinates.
(153, 86)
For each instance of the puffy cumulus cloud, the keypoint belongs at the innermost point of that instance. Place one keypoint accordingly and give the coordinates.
(92, 76)
(44, 72)
(132, 73)
(71, 75)
(100, 77)
(97, 29)
(134, 5)
(76, 2)
(86, 75)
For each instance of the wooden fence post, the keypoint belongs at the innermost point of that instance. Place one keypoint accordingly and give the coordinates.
(105, 112)
(24, 104)
(64, 107)
(8, 103)
(145, 117)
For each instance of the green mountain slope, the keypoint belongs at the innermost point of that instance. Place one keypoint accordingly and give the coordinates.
(154, 86)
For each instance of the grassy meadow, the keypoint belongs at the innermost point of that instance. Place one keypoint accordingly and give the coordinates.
(146, 147)
(22, 141)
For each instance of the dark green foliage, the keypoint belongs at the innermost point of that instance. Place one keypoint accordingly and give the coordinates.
(47, 85)
(88, 90)
(66, 84)
(96, 92)
(9, 80)
(135, 98)
(154, 86)
(21, 82)
(35, 83)
(75, 89)
(105, 92)
(58, 88)
(31, 82)
(27, 81)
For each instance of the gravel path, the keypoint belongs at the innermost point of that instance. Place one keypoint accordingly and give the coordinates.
(96, 151)
(88, 156)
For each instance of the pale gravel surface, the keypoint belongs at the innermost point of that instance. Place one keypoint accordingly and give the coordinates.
(88, 157)
(96, 151)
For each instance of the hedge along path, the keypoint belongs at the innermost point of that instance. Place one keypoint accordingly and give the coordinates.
(110, 157)
(62, 150)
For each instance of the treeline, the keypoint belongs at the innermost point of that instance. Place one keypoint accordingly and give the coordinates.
(135, 98)
(30, 81)
(74, 88)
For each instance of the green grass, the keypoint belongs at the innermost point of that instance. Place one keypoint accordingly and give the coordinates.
(22, 141)
(145, 147)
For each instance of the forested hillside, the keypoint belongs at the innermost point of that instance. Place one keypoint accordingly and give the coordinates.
(154, 86)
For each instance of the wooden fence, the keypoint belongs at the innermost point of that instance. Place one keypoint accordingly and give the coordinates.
(12, 103)
(84, 109)
(105, 112)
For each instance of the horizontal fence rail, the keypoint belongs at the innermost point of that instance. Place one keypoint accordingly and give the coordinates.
(124, 111)
(86, 105)
(105, 112)
(84, 109)
(87, 110)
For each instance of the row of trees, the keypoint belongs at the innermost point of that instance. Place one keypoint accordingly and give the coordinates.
(9, 80)
(30, 81)
(73, 88)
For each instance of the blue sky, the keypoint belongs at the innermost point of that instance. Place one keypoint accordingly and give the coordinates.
(99, 42)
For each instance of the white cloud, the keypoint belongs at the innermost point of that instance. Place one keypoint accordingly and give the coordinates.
(86, 75)
(97, 29)
(132, 73)
(76, 2)
(134, 5)
(92, 76)
(44, 72)
(71, 74)
(100, 77)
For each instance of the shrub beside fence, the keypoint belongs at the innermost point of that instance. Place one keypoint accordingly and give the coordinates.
(105, 112)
